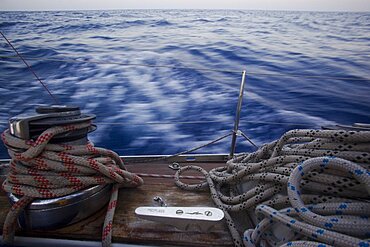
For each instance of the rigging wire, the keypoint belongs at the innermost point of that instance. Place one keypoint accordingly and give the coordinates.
(31, 70)
(94, 61)
(183, 152)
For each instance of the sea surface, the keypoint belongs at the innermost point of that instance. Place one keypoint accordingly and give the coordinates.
(304, 70)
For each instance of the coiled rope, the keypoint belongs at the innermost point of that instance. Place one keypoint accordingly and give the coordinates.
(309, 188)
(42, 170)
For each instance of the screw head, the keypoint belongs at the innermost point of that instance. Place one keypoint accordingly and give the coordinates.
(208, 213)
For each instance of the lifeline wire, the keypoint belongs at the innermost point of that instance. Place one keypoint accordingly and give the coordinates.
(184, 152)
(309, 188)
(30, 68)
(42, 170)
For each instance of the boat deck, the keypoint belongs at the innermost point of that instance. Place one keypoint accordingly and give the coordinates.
(127, 228)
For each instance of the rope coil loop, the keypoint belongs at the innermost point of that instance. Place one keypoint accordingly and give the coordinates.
(309, 188)
(39, 169)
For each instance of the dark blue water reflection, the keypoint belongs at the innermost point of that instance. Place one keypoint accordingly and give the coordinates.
(125, 98)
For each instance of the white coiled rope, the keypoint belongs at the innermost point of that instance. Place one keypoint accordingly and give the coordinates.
(309, 188)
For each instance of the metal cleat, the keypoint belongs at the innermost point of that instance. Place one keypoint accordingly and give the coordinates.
(183, 218)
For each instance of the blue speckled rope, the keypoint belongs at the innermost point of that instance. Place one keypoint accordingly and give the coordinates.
(355, 225)
(309, 188)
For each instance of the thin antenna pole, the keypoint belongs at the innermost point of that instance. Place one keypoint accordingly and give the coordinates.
(32, 71)
(237, 116)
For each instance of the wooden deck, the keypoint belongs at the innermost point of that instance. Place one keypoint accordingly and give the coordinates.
(127, 228)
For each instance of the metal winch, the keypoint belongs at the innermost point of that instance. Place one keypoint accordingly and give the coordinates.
(61, 211)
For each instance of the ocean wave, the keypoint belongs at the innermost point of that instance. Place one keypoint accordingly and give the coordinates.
(161, 23)
(194, 105)
(72, 28)
(104, 15)
(37, 52)
(132, 23)
(103, 37)
(202, 20)
(7, 24)
(223, 19)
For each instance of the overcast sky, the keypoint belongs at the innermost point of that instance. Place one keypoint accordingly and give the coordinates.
(321, 5)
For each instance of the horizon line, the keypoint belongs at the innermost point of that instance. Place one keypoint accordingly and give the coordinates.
(240, 9)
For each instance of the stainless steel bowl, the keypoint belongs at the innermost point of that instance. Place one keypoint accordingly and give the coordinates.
(62, 211)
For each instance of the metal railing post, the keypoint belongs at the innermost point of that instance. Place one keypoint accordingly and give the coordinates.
(237, 116)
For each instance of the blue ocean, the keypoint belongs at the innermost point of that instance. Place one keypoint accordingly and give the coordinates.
(163, 81)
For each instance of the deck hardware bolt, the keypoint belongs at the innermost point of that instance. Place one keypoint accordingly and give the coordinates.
(159, 201)
(175, 166)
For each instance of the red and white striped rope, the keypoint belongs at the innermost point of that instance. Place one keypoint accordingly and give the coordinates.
(42, 170)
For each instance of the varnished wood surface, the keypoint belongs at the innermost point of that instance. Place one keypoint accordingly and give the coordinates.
(127, 228)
